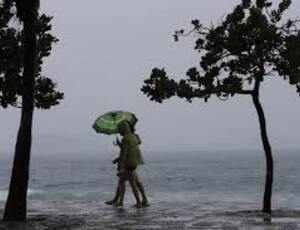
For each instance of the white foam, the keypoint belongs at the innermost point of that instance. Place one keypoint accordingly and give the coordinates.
(3, 195)
(31, 192)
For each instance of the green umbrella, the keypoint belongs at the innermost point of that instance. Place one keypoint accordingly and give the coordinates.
(108, 122)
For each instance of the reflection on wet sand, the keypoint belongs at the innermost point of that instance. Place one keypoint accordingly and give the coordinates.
(95, 215)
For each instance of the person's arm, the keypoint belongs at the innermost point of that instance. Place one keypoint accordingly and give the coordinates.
(117, 142)
(138, 139)
(115, 161)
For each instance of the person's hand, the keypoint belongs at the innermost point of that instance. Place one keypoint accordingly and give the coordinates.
(117, 142)
(115, 161)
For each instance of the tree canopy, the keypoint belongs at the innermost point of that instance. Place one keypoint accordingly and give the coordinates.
(11, 59)
(251, 43)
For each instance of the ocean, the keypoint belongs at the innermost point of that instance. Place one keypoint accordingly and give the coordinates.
(187, 190)
(167, 177)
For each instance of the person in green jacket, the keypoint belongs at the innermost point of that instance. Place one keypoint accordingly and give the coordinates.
(129, 159)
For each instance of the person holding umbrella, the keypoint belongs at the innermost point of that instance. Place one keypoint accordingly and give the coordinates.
(129, 159)
(130, 154)
(131, 173)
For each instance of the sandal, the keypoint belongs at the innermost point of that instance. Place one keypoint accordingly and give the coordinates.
(145, 203)
(118, 204)
(110, 202)
(139, 205)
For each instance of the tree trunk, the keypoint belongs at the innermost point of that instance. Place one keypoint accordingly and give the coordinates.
(16, 205)
(267, 149)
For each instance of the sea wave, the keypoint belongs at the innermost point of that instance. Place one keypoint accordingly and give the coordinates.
(3, 195)
(34, 194)
(30, 193)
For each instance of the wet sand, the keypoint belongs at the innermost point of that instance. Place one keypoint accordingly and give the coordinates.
(96, 215)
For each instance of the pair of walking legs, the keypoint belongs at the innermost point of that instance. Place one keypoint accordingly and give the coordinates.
(136, 186)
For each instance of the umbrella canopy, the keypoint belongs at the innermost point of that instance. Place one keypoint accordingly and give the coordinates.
(108, 122)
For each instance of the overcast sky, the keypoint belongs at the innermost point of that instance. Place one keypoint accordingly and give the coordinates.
(108, 47)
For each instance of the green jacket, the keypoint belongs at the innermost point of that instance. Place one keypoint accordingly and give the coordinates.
(130, 154)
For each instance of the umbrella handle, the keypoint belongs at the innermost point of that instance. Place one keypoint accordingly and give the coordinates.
(117, 142)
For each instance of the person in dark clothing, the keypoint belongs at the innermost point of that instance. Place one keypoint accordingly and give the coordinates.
(129, 159)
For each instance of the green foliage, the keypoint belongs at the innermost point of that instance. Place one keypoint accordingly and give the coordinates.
(11, 60)
(250, 44)
(165, 87)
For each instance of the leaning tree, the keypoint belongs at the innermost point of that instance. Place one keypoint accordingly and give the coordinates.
(25, 40)
(249, 45)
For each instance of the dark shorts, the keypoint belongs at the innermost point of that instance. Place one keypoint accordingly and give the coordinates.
(128, 168)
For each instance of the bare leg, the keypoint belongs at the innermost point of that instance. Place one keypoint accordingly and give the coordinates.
(134, 187)
(120, 199)
(142, 190)
(120, 188)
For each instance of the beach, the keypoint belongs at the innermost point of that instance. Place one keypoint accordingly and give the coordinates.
(94, 215)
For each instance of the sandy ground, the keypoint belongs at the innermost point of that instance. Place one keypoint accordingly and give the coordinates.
(95, 215)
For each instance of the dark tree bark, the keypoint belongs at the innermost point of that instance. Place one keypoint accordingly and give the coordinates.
(16, 205)
(267, 149)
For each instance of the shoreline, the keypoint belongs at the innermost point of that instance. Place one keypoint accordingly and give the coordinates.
(159, 215)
